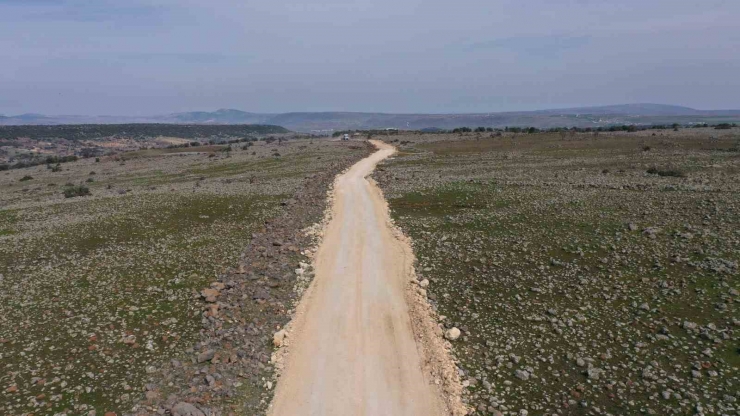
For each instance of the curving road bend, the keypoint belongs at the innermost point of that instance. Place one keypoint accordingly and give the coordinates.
(352, 350)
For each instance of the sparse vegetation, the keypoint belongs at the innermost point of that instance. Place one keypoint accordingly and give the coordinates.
(99, 304)
(579, 292)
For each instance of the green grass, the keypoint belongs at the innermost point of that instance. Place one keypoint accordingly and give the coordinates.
(104, 267)
(8, 218)
(437, 202)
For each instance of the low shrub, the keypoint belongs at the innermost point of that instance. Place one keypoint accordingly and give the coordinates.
(74, 191)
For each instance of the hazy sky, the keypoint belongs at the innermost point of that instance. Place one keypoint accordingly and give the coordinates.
(137, 57)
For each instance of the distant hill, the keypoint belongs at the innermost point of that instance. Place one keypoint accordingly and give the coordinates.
(641, 114)
(134, 130)
(630, 109)
(223, 116)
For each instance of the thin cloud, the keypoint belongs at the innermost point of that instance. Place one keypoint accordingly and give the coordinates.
(156, 56)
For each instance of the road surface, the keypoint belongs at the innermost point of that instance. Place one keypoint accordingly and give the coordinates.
(352, 350)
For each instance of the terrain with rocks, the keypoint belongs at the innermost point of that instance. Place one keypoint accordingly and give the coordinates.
(586, 274)
(159, 290)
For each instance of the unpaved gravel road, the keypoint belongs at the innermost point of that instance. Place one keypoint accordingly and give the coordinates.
(352, 349)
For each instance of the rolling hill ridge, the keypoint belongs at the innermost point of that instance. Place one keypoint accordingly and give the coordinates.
(641, 114)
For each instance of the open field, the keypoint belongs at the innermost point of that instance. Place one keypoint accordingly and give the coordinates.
(102, 300)
(588, 274)
(26, 146)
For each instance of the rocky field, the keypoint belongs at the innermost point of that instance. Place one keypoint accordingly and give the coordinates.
(151, 283)
(587, 274)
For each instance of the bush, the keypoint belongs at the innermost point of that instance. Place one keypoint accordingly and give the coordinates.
(26, 178)
(723, 126)
(74, 191)
(666, 172)
(90, 180)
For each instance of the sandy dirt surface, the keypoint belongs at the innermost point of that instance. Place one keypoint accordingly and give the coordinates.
(352, 347)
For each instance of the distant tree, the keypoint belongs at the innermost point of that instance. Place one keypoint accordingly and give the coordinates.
(88, 152)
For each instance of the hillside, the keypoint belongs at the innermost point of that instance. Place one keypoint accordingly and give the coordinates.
(641, 114)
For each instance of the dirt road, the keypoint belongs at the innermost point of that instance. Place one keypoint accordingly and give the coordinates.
(352, 350)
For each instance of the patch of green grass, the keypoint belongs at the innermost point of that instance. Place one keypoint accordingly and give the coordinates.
(175, 215)
(448, 200)
(666, 172)
(8, 218)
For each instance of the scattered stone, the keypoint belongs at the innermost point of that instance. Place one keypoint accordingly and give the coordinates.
(186, 409)
(210, 295)
(522, 375)
(206, 356)
(278, 338)
(452, 334)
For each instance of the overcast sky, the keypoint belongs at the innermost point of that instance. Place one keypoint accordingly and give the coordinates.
(140, 57)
